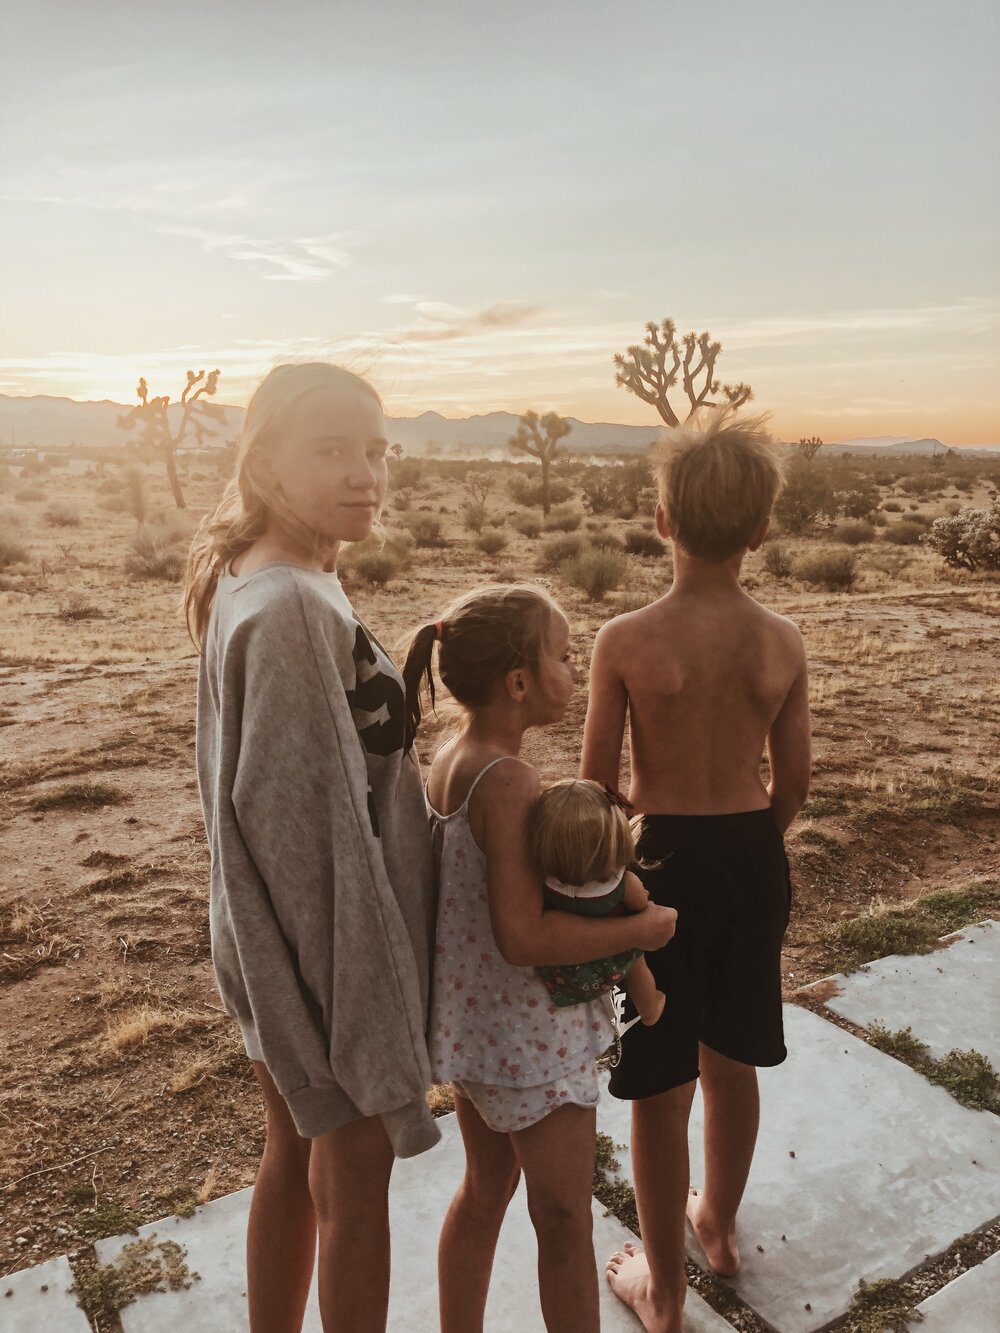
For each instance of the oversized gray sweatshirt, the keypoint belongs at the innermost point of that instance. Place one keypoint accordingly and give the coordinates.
(323, 891)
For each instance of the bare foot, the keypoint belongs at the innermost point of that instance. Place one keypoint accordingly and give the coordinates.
(720, 1247)
(651, 1013)
(628, 1273)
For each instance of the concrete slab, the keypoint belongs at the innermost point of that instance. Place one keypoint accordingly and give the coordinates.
(38, 1298)
(950, 998)
(862, 1166)
(214, 1239)
(970, 1304)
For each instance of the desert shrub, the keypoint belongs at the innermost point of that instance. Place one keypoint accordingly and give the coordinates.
(893, 507)
(777, 561)
(606, 541)
(563, 519)
(523, 490)
(479, 485)
(528, 525)
(492, 541)
(62, 516)
(402, 499)
(621, 489)
(907, 532)
(134, 494)
(859, 501)
(953, 507)
(559, 549)
(968, 540)
(377, 567)
(473, 515)
(11, 552)
(806, 497)
(425, 529)
(595, 572)
(108, 486)
(13, 519)
(30, 495)
(406, 472)
(640, 542)
(155, 554)
(916, 485)
(880, 520)
(854, 533)
(114, 504)
(828, 569)
(76, 607)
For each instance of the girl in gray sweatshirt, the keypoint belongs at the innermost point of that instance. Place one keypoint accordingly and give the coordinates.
(322, 887)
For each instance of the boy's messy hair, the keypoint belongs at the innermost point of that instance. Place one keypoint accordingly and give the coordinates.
(576, 834)
(718, 478)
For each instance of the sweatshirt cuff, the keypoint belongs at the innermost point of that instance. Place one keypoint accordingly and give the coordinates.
(320, 1110)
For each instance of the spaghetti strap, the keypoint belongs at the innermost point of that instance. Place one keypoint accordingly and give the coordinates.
(482, 773)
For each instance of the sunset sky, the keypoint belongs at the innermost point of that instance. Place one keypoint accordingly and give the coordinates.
(481, 204)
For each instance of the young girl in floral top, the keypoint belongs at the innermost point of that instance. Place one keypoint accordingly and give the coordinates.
(523, 1069)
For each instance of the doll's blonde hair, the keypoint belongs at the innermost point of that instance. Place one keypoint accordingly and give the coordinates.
(576, 833)
(242, 515)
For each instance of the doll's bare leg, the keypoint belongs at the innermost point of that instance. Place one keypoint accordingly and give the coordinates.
(640, 987)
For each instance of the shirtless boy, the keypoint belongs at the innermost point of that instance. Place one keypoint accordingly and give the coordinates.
(707, 677)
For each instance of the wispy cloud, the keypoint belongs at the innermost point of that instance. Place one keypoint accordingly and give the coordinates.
(304, 259)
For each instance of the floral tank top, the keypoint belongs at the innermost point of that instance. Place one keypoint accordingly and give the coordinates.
(491, 1022)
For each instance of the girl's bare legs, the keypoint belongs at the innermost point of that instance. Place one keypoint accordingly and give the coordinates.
(281, 1235)
(349, 1172)
(472, 1226)
(557, 1158)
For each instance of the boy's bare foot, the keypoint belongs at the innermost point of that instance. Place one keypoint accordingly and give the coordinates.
(720, 1247)
(651, 1013)
(628, 1273)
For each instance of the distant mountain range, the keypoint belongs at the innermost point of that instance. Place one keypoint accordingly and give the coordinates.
(53, 423)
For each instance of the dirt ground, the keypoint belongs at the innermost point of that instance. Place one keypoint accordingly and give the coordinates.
(125, 1094)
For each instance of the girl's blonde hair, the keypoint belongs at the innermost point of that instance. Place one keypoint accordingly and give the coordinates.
(577, 834)
(719, 476)
(242, 516)
(482, 635)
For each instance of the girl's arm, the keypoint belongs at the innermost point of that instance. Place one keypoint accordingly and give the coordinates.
(527, 934)
(604, 729)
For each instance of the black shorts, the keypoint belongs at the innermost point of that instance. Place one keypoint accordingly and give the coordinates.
(727, 876)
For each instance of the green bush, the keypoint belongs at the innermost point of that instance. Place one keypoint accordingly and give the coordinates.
(558, 549)
(854, 533)
(493, 541)
(968, 540)
(806, 496)
(524, 490)
(907, 532)
(777, 561)
(563, 519)
(828, 569)
(595, 572)
(619, 488)
(859, 501)
(640, 542)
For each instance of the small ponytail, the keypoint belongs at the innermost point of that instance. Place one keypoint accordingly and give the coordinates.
(418, 669)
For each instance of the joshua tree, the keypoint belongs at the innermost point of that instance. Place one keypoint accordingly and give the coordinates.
(151, 414)
(808, 449)
(539, 437)
(397, 451)
(652, 370)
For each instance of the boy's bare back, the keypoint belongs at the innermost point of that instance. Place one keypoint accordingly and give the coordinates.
(707, 677)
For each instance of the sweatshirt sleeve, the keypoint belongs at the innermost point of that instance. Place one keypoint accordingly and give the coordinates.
(325, 961)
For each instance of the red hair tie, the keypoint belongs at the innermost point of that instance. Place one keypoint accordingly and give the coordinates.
(439, 630)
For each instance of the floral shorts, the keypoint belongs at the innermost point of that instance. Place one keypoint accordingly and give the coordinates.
(506, 1110)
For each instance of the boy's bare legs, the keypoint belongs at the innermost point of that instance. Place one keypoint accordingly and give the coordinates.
(652, 1281)
(472, 1226)
(349, 1172)
(281, 1233)
(732, 1115)
(640, 986)
(557, 1158)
